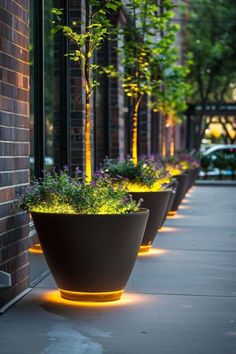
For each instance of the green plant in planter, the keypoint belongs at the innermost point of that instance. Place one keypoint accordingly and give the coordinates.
(90, 234)
(59, 194)
(172, 166)
(188, 162)
(145, 176)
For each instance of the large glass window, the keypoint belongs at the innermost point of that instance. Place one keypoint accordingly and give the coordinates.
(49, 99)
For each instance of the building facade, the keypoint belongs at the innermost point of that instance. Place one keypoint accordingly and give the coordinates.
(42, 117)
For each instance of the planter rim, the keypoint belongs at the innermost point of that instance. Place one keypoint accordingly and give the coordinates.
(140, 211)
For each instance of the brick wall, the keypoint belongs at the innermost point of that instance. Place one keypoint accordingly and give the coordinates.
(14, 143)
(144, 131)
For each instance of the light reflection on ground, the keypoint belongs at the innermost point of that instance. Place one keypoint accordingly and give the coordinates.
(168, 229)
(177, 216)
(153, 252)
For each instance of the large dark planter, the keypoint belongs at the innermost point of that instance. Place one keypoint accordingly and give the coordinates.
(180, 191)
(156, 202)
(193, 174)
(91, 256)
(169, 205)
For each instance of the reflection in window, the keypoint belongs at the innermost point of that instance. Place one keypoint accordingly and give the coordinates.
(31, 47)
(49, 86)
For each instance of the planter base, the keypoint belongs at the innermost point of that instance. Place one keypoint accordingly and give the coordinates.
(91, 297)
(144, 248)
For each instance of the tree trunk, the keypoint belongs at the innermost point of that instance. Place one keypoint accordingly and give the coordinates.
(134, 147)
(88, 155)
(163, 144)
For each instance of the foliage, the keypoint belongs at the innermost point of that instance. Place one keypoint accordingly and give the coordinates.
(178, 164)
(60, 194)
(188, 161)
(146, 176)
(171, 97)
(211, 30)
(172, 166)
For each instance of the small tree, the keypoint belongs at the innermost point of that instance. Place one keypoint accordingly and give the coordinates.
(86, 37)
(142, 47)
(170, 98)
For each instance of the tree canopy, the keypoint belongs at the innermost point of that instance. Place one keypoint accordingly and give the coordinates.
(211, 38)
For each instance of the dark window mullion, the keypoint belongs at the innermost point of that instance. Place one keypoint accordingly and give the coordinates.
(39, 88)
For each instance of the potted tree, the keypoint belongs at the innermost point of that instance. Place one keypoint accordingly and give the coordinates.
(90, 234)
(143, 46)
(176, 171)
(148, 181)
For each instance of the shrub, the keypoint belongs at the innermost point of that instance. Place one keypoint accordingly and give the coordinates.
(146, 176)
(58, 193)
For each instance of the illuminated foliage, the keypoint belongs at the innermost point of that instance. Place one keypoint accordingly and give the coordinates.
(177, 165)
(146, 176)
(58, 193)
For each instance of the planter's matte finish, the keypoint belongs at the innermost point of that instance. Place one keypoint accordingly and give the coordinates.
(156, 202)
(169, 205)
(193, 174)
(91, 256)
(180, 191)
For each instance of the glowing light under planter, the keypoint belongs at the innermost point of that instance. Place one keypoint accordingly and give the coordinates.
(91, 296)
(54, 298)
(144, 249)
(168, 229)
(171, 213)
(177, 216)
(153, 252)
(36, 249)
(184, 207)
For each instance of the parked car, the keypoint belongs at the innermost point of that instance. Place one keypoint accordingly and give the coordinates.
(219, 160)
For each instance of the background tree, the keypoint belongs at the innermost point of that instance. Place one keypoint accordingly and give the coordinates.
(170, 97)
(146, 38)
(211, 37)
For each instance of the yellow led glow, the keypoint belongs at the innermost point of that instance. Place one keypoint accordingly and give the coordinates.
(172, 213)
(36, 249)
(184, 207)
(91, 296)
(157, 186)
(54, 298)
(144, 249)
(173, 170)
(177, 216)
(153, 252)
(168, 229)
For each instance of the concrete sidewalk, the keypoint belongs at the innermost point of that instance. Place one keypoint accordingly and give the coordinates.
(181, 299)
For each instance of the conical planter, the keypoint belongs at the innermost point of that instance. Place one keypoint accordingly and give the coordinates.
(193, 174)
(169, 205)
(156, 202)
(183, 182)
(91, 256)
